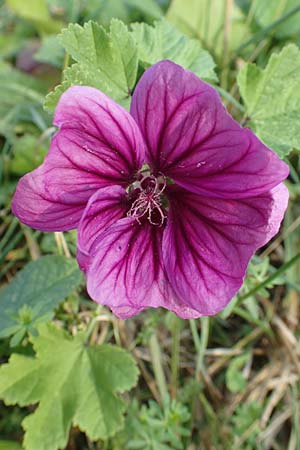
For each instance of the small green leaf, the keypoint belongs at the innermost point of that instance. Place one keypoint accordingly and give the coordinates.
(17, 337)
(74, 385)
(235, 380)
(246, 422)
(41, 285)
(164, 41)
(107, 61)
(272, 99)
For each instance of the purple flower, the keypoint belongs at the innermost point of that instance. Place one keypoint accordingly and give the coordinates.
(170, 201)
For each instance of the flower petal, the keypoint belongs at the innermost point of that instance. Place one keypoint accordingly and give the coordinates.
(126, 271)
(98, 145)
(53, 197)
(107, 134)
(127, 274)
(233, 165)
(104, 208)
(208, 243)
(191, 138)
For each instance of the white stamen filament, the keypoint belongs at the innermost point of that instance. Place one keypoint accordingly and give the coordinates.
(149, 199)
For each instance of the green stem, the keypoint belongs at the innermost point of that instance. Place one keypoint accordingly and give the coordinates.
(9, 232)
(91, 325)
(268, 280)
(175, 356)
(203, 344)
(261, 34)
(27, 93)
(158, 367)
(11, 244)
(230, 99)
(195, 334)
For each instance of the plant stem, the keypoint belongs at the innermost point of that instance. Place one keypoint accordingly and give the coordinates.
(158, 367)
(195, 335)
(226, 38)
(200, 343)
(175, 357)
(91, 326)
(203, 343)
(262, 33)
(230, 99)
(9, 232)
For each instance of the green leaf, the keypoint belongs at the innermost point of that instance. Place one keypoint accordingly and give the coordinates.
(74, 385)
(28, 154)
(66, 10)
(50, 52)
(164, 41)
(107, 61)
(20, 94)
(268, 12)
(205, 19)
(272, 99)
(126, 10)
(235, 380)
(41, 286)
(149, 7)
(103, 11)
(35, 11)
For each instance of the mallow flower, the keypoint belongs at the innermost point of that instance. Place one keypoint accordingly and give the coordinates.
(170, 200)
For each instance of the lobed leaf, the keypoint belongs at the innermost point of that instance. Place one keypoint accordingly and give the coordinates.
(164, 41)
(272, 99)
(107, 61)
(41, 285)
(74, 385)
(205, 19)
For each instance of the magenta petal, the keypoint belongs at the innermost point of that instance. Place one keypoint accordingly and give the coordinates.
(235, 164)
(104, 208)
(191, 138)
(53, 197)
(34, 207)
(98, 145)
(126, 269)
(107, 135)
(208, 243)
(127, 274)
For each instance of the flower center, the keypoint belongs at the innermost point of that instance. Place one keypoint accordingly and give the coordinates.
(148, 201)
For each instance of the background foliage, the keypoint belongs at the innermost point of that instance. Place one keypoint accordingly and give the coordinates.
(73, 376)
